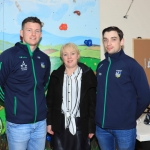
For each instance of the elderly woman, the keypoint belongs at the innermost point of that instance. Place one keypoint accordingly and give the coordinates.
(71, 102)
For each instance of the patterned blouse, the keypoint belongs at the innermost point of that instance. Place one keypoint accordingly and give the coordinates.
(71, 99)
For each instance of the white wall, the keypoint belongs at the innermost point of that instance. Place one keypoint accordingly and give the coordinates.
(136, 25)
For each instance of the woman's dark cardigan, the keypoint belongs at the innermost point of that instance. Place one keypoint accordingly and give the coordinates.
(87, 99)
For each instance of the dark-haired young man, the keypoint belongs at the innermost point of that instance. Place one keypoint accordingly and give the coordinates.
(24, 76)
(122, 94)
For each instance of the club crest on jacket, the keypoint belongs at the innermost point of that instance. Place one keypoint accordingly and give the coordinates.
(118, 73)
(42, 65)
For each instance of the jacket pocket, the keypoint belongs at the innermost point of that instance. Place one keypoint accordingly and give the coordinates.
(15, 105)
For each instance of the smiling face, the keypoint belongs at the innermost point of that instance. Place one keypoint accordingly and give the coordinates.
(70, 57)
(112, 42)
(31, 34)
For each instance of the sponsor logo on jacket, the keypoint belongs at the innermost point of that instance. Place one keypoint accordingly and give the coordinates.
(23, 66)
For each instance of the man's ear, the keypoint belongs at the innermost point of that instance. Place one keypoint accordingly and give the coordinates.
(21, 33)
(122, 42)
(41, 34)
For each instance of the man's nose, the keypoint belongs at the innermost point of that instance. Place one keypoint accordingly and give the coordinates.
(108, 42)
(33, 32)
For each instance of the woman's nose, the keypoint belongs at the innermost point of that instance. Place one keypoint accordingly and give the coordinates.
(69, 56)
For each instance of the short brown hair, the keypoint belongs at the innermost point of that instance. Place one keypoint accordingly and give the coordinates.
(32, 19)
(113, 28)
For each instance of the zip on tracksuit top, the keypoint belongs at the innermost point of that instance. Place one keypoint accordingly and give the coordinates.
(122, 93)
(24, 77)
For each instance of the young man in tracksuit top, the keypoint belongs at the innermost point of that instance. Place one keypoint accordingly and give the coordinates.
(122, 94)
(24, 77)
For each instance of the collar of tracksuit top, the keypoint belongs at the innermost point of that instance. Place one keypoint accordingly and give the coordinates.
(114, 57)
(26, 47)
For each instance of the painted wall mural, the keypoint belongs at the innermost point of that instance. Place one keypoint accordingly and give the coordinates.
(64, 21)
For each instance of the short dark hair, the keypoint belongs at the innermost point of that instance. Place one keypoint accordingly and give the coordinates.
(32, 19)
(113, 28)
